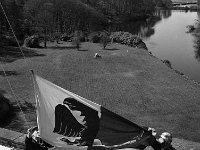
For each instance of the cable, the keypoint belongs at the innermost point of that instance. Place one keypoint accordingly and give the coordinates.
(15, 97)
(12, 30)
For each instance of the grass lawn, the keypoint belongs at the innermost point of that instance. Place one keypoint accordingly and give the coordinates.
(125, 80)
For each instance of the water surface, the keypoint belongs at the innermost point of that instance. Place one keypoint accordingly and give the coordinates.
(171, 41)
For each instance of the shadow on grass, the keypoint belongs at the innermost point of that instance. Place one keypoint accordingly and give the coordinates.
(25, 117)
(8, 73)
(10, 115)
(7, 114)
(14, 119)
(82, 50)
(111, 49)
(7, 59)
(10, 54)
(62, 47)
(2, 92)
(27, 106)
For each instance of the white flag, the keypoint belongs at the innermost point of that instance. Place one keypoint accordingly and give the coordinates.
(68, 121)
(50, 97)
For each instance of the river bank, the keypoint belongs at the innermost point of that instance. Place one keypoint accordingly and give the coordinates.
(125, 80)
(171, 41)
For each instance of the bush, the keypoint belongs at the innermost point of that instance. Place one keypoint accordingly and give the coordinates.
(104, 38)
(119, 37)
(124, 37)
(82, 38)
(69, 37)
(115, 36)
(76, 41)
(66, 37)
(127, 39)
(4, 108)
(168, 63)
(56, 37)
(32, 41)
(8, 41)
(94, 37)
(190, 28)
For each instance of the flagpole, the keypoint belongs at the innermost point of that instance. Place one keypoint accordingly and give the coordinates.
(34, 85)
(35, 95)
(34, 82)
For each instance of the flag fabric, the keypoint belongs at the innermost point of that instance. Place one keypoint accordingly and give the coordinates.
(66, 120)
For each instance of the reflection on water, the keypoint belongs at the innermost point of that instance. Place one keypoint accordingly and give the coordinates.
(170, 41)
(196, 35)
(163, 14)
(166, 37)
(141, 28)
(197, 46)
(197, 54)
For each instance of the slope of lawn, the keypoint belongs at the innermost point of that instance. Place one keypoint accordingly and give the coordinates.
(126, 80)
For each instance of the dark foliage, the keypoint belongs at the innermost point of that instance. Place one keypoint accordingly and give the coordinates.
(168, 63)
(66, 37)
(76, 40)
(47, 17)
(105, 39)
(94, 37)
(32, 42)
(8, 41)
(8, 73)
(6, 111)
(10, 54)
(127, 39)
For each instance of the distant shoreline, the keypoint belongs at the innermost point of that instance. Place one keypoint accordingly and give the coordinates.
(194, 8)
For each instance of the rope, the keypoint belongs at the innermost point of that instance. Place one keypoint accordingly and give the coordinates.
(15, 97)
(85, 77)
(12, 31)
(12, 91)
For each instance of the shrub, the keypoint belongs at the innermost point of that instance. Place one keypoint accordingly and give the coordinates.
(32, 41)
(115, 36)
(56, 37)
(8, 41)
(66, 37)
(104, 38)
(190, 28)
(124, 37)
(168, 63)
(82, 37)
(94, 37)
(4, 108)
(76, 39)
(127, 39)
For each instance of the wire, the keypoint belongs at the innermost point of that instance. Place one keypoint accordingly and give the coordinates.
(12, 30)
(15, 97)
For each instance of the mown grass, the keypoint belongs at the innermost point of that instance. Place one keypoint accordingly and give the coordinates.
(10, 54)
(125, 80)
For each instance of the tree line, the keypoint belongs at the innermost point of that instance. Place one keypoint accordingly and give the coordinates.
(55, 17)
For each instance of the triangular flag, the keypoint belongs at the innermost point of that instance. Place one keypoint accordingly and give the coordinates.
(69, 121)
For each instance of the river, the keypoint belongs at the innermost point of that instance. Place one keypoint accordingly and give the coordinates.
(170, 41)
(167, 38)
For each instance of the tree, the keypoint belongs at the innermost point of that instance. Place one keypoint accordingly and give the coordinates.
(15, 17)
(163, 3)
(104, 38)
(65, 16)
(76, 39)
